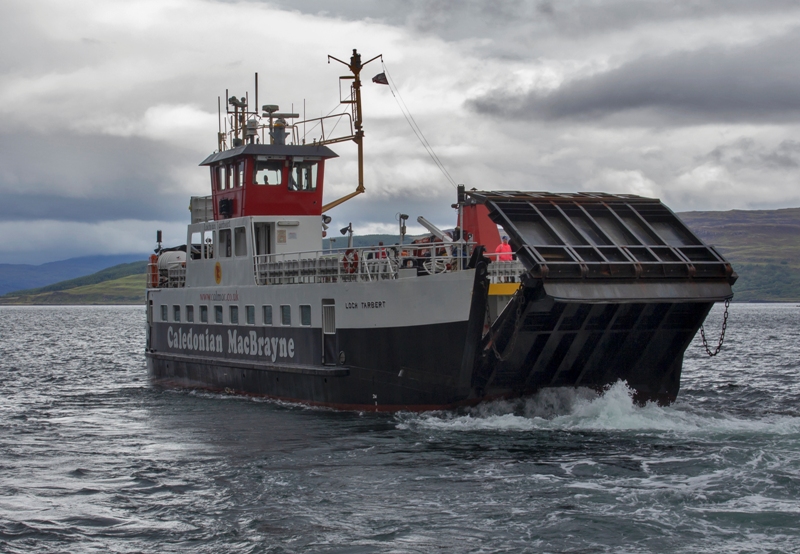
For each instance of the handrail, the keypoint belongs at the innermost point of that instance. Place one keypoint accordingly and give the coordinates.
(363, 264)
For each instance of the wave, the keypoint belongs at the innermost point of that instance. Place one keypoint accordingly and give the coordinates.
(585, 410)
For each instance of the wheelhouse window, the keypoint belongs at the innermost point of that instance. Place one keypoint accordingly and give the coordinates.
(286, 315)
(228, 177)
(240, 174)
(305, 315)
(203, 314)
(240, 241)
(176, 313)
(268, 172)
(234, 315)
(217, 314)
(266, 312)
(225, 243)
(250, 314)
(164, 311)
(190, 314)
(303, 176)
(218, 177)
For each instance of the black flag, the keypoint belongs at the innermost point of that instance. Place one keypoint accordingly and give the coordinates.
(380, 79)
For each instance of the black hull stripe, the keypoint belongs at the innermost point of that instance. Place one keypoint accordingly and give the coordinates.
(301, 369)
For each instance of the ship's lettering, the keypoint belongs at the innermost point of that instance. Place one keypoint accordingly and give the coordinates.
(220, 296)
(250, 344)
(191, 340)
(365, 305)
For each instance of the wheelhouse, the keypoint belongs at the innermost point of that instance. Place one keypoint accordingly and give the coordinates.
(268, 179)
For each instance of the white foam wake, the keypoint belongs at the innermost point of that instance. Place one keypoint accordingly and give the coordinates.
(583, 409)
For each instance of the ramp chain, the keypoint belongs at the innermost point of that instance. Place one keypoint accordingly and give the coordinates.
(721, 336)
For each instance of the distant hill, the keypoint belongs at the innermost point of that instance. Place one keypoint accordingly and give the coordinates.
(762, 245)
(124, 290)
(15, 277)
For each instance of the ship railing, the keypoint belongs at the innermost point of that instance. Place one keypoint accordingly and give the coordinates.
(317, 126)
(364, 264)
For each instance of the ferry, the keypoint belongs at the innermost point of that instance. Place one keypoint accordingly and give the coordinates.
(599, 287)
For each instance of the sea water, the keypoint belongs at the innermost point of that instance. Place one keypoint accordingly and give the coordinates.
(95, 459)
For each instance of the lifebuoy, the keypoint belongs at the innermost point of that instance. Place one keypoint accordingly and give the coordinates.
(350, 260)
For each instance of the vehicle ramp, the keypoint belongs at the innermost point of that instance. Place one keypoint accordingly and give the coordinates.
(615, 287)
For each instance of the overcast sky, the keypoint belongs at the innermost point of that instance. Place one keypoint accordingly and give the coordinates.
(107, 107)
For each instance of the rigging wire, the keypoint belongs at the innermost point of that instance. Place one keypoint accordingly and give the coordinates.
(414, 127)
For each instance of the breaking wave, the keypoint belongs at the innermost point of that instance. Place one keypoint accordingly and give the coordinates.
(563, 409)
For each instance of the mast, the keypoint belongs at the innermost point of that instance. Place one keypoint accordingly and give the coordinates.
(355, 67)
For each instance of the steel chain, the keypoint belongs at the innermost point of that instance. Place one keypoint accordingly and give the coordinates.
(722, 334)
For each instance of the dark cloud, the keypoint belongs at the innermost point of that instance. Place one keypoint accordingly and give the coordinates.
(468, 19)
(758, 83)
(91, 178)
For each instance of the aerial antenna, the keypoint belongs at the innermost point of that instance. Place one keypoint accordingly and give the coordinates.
(355, 67)
(220, 136)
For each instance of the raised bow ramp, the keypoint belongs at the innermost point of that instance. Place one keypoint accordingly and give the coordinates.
(615, 288)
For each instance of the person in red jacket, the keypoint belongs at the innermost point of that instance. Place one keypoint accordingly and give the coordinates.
(503, 251)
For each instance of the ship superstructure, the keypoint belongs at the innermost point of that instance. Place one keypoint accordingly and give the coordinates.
(603, 287)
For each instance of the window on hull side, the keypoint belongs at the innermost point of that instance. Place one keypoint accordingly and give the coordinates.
(217, 314)
(305, 315)
(164, 310)
(190, 314)
(240, 241)
(267, 315)
(224, 243)
(250, 315)
(208, 245)
(203, 314)
(196, 245)
(286, 315)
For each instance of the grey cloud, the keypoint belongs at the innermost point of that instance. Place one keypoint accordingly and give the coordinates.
(90, 178)
(733, 85)
(468, 19)
(746, 152)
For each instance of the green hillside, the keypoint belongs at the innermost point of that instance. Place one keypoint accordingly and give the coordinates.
(123, 290)
(762, 245)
